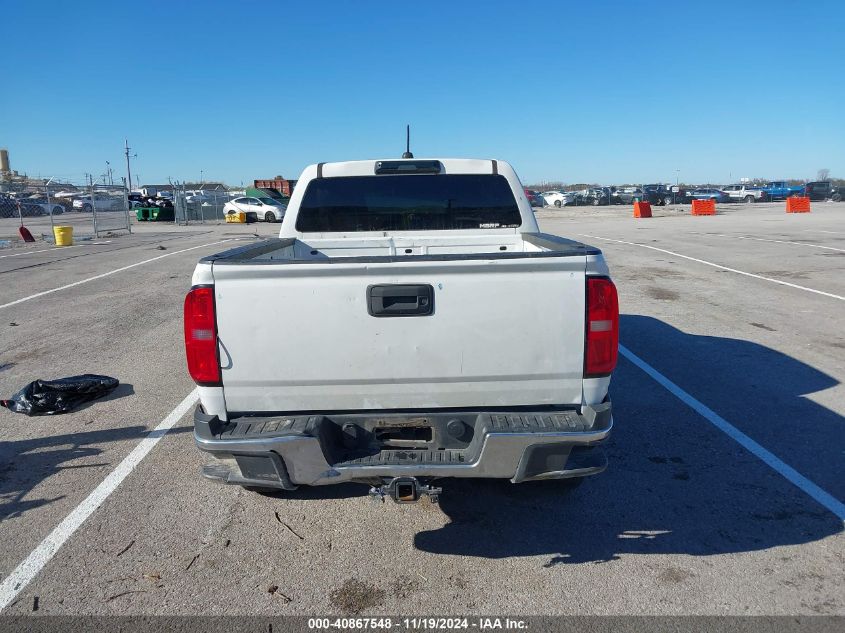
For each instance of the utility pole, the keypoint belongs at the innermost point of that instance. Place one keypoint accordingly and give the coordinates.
(90, 180)
(126, 205)
(128, 170)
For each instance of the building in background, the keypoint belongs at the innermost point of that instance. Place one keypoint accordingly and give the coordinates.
(284, 187)
(207, 186)
(152, 190)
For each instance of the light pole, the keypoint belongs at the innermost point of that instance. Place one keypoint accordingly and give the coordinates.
(128, 170)
(201, 180)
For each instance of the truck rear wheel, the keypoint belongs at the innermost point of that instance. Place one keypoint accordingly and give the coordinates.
(558, 203)
(750, 199)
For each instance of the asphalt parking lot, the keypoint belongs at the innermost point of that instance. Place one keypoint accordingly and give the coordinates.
(734, 319)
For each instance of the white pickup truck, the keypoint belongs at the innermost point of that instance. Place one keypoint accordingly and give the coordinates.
(745, 193)
(410, 323)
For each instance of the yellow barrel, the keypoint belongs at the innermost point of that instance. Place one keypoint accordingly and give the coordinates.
(63, 235)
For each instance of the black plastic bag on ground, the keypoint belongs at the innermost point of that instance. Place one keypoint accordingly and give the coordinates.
(48, 397)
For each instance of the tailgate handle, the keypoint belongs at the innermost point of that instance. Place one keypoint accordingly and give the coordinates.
(394, 300)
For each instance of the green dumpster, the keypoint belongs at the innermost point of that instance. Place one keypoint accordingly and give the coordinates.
(162, 215)
(143, 213)
(154, 214)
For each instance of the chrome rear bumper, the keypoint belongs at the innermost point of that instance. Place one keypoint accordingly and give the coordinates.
(287, 451)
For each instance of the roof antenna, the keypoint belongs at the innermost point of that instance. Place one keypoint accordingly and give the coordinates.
(407, 153)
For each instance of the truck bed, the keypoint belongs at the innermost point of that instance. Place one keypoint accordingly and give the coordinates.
(505, 325)
(358, 248)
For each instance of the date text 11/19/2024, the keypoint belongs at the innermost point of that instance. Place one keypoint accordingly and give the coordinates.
(418, 623)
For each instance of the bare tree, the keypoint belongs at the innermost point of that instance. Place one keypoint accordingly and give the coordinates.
(823, 174)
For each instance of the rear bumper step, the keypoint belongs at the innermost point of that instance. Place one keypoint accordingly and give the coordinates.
(285, 451)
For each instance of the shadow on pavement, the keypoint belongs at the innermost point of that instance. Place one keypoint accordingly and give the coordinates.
(24, 464)
(675, 483)
(317, 493)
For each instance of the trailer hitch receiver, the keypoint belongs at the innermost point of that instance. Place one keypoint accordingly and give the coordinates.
(405, 490)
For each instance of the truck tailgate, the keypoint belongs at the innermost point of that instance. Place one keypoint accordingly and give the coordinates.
(300, 336)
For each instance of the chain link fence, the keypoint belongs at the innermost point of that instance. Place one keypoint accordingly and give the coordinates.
(199, 205)
(96, 209)
(41, 205)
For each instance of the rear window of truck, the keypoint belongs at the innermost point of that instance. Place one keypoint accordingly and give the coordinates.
(408, 203)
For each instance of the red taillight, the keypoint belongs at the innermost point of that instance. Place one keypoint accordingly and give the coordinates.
(602, 327)
(201, 336)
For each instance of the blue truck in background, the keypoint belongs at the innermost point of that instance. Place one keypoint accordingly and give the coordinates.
(781, 190)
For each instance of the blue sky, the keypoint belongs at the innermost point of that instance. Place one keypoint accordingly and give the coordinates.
(604, 92)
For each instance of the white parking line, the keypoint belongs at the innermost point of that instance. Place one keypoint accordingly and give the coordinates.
(58, 250)
(706, 263)
(111, 272)
(787, 472)
(763, 239)
(42, 251)
(41, 555)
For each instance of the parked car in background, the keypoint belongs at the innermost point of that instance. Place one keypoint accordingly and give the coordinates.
(745, 193)
(104, 202)
(837, 194)
(667, 194)
(716, 195)
(558, 198)
(630, 195)
(675, 194)
(266, 209)
(8, 207)
(534, 198)
(31, 207)
(656, 189)
(821, 190)
(594, 196)
(201, 195)
(136, 200)
(781, 190)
